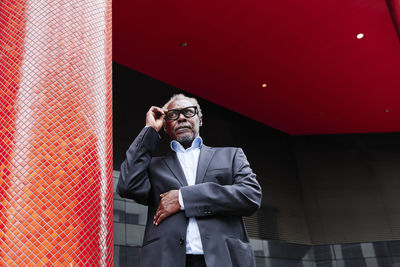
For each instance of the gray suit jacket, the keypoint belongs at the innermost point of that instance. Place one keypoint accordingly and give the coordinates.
(226, 189)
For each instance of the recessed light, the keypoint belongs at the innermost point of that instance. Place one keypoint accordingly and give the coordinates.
(360, 36)
(264, 85)
(386, 110)
(184, 44)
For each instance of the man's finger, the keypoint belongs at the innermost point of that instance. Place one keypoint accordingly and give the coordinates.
(161, 214)
(164, 194)
(159, 208)
(156, 217)
(158, 110)
(161, 218)
(157, 220)
(157, 213)
(161, 110)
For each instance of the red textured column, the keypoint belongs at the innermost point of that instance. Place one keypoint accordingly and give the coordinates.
(55, 133)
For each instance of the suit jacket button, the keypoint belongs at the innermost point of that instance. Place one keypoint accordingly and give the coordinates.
(181, 241)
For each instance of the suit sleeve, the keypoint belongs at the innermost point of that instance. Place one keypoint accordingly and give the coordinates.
(242, 198)
(134, 180)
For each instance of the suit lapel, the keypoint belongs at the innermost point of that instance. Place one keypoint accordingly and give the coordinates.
(206, 154)
(173, 164)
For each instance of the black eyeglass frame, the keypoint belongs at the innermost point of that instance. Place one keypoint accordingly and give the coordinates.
(196, 111)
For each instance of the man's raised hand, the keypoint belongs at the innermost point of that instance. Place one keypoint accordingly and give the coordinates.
(155, 118)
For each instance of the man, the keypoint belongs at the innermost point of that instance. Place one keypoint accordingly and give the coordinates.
(196, 195)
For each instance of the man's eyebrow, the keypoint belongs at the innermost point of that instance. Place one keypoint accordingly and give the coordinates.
(181, 108)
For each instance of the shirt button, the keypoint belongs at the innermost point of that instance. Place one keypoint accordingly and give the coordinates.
(181, 241)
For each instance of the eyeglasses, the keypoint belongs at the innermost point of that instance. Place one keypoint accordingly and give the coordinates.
(188, 112)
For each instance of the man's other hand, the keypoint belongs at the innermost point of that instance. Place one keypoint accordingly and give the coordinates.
(155, 118)
(169, 205)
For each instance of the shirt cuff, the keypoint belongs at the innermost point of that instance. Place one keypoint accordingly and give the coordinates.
(181, 200)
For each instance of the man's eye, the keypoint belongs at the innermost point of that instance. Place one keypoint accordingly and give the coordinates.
(189, 111)
(172, 114)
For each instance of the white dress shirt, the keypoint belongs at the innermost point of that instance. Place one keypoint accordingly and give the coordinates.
(189, 158)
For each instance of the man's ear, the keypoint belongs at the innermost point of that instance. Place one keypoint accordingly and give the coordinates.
(200, 122)
(165, 127)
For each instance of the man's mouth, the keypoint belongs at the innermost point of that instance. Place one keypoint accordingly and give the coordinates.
(182, 128)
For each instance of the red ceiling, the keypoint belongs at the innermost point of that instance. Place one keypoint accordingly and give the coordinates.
(320, 78)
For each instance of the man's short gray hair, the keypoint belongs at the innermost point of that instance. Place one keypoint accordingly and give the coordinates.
(182, 96)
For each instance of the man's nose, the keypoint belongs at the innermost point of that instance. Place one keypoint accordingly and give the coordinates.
(181, 117)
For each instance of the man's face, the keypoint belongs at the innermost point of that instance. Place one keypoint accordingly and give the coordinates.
(184, 130)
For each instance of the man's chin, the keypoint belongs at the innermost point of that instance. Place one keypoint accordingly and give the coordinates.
(185, 140)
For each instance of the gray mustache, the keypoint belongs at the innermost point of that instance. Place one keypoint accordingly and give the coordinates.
(183, 127)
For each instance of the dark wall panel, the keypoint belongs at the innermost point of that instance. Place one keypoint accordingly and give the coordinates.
(351, 186)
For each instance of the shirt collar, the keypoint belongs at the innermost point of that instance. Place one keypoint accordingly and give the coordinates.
(177, 147)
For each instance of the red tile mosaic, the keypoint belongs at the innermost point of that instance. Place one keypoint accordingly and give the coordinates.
(55, 133)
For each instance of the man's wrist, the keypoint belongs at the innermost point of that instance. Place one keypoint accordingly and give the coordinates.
(148, 125)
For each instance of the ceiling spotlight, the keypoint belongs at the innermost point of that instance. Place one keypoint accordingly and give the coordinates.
(360, 36)
(184, 44)
(386, 110)
(264, 85)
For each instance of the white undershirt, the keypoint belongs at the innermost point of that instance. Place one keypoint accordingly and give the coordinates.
(189, 159)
